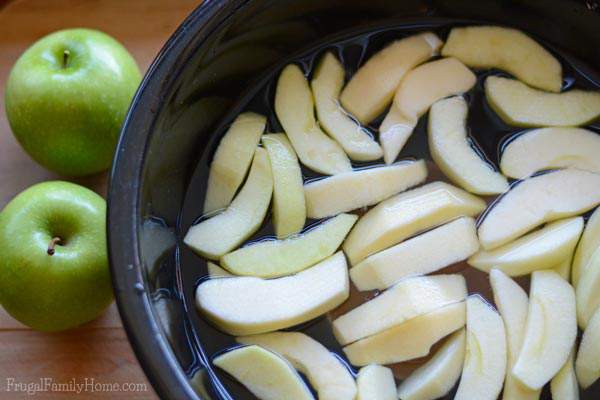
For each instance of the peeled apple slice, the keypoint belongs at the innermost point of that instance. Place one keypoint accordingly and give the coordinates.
(587, 364)
(326, 86)
(536, 200)
(275, 258)
(376, 383)
(232, 160)
(564, 385)
(265, 374)
(588, 291)
(507, 49)
(421, 87)
(247, 305)
(214, 271)
(406, 214)
(550, 331)
(372, 87)
(360, 188)
(454, 154)
(588, 245)
(407, 299)
(220, 234)
(328, 376)
(519, 105)
(294, 107)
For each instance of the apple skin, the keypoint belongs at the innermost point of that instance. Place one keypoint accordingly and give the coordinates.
(68, 118)
(72, 286)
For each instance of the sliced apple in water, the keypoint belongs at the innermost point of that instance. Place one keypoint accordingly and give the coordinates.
(536, 200)
(214, 271)
(485, 360)
(507, 49)
(289, 207)
(564, 385)
(520, 105)
(550, 331)
(328, 376)
(587, 364)
(587, 247)
(372, 87)
(436, 377)
(247, 305)
(407, 299)
(232, 159)
(453, 152)
(541, 249)
(376, 383)
(406, 214)
(275, 258)
(265, 374)
(222, 233)
(326, 85)
(360, 188)
(421, 87)
(294, 107)
(453, 242)
(588, 291)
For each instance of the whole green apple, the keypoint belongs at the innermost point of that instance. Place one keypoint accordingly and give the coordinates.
(66, 99)
(54, 266)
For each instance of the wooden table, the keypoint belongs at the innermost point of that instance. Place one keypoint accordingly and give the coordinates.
(99, 351)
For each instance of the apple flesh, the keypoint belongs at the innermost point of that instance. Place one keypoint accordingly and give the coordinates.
(587, 247)
(564, 385)
(587, 364)
(376, 383)
(214, 271)
(587, 291)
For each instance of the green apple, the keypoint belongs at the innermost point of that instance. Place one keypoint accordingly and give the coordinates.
(54, 267)
(66, 98)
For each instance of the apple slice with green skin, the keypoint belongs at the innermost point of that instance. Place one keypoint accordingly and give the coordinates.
(289, 206)
(587, 247)
(564, 385)
(361, 188)
(406, 214)
(587, 364)
(453, 153)
(248, 305)
(372, 87)
(214, 271)
(536, 200)
(407, 299)
(436, 377)
(232, 160)
(218, 235)
(548, 148)
(376, 383)
(587, 291)
(421, 87)
(520, 105)
(294, 106)
(485, 360)
(326, 86)
(265, 374)
(275, 258)
(538, 250)
(453, 242)
(408, 340)
(550, 331)
(329, 377)
(508, 49)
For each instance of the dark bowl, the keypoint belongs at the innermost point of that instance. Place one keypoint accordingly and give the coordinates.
(190, 92)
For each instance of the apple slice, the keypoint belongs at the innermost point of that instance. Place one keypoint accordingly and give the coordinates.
(408, 340)
(265, 374)
(452, 242)
(564, 385)
(507, 49)
(541, 249)
(587, 293)
(247, 305)
(328, 376)
(232, 159)
(519, 105)
(587, 364)
(436, 377)
(550, 330)
(452, 150)
(372, 87)
(564, 269)
(407, 299)
(294, 107)
(587, 247)
(421, 87)
(406, 214)
(548, 148)
(214, 271)
(376, 383)
(485, 360)
(220, 234)
(536, 200)
(326, 85)
(275, 258)
(361, 188)
(289, 208)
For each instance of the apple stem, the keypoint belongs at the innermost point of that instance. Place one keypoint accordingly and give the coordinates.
(53, 243)
(66, 55)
